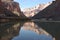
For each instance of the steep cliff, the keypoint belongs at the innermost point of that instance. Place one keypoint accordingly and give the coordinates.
(6, 13)
(52, 11)
(12, 6)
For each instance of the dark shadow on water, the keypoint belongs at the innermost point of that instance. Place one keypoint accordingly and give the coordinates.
(52, 28)
(9, 29)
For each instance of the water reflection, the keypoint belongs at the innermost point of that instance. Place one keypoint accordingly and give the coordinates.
(33, 27)
(30, 31)
(23, 31)
(9, 29)
(51, 27)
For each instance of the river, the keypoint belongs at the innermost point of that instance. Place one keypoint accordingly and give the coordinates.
(28, 30)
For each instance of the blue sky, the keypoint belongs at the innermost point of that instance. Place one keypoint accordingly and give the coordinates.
(31, 3)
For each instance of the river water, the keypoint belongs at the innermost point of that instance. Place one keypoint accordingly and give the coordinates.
(27, 30)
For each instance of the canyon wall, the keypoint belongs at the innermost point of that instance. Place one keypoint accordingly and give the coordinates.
(11, 6)
(52, 11)
(30, 12)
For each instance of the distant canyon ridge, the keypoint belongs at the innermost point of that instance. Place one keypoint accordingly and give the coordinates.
(30, 12)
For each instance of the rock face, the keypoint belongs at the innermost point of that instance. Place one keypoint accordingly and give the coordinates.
(58, 1)
(6, 13)
(30, 12)
(13, 7)
(52, 11)
(6, 0)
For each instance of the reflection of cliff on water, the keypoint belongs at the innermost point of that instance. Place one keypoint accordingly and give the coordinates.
(22, 31)
(33, 27)
(31, 31)
(9, 29)
(51, 27)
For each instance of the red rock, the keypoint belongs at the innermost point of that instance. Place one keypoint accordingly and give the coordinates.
(12, 6)
(58, 1)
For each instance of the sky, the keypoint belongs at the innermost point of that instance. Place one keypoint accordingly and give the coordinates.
(30, 3)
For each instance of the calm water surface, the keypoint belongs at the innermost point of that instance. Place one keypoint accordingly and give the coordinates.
(26, 31)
